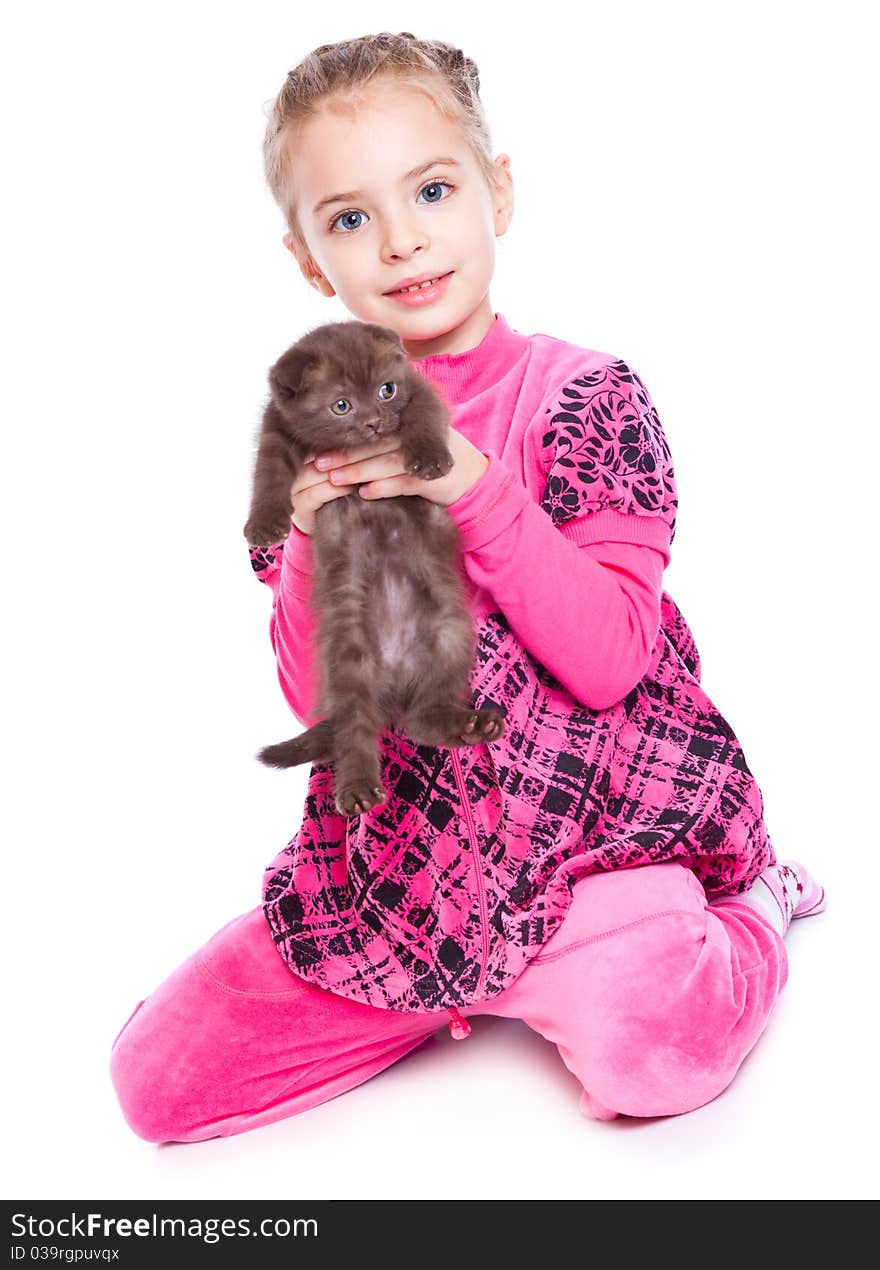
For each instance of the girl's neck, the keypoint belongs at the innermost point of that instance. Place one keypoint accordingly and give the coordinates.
(461, 376)
(461, 339)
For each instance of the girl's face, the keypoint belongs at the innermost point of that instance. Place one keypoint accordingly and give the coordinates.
(388, 225)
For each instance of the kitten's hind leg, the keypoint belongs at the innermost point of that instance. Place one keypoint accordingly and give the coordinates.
(446, 724)
(313, 746)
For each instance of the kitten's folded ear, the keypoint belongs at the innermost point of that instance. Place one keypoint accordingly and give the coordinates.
(290, 374)
(384, 334)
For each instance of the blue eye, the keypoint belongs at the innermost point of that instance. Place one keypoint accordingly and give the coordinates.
(341, 401)
(354, 212)
(435, 185)
(340, 216)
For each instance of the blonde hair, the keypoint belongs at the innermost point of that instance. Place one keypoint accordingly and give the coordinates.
(342, 71)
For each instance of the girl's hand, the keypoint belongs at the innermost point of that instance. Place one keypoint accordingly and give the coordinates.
(312, 489)
(379, 470)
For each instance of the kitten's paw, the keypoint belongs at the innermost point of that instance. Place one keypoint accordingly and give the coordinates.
(483, 725)
(262, 532)
(429, 465)
(358, 797)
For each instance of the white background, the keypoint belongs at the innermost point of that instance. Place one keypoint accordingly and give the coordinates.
(693, 194)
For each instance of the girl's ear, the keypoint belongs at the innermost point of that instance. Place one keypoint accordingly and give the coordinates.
(308, 268)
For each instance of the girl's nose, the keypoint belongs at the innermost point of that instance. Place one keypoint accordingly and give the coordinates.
(403, 242)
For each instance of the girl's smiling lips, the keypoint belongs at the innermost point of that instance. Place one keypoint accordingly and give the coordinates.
(411, 282)
(422, 295)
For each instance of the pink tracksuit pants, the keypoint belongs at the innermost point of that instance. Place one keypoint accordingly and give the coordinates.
(652, 997)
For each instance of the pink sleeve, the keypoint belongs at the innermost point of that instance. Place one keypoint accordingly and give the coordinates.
(578, 575)
(286, 568)
(589, 613)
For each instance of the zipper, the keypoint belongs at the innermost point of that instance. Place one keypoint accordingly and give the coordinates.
(484, 921)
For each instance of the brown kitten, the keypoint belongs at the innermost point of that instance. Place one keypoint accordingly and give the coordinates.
(395, 635)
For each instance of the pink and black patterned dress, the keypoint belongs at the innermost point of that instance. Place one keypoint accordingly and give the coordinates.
(613, 755)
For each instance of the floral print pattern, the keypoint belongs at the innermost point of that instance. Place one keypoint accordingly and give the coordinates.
(605, 447)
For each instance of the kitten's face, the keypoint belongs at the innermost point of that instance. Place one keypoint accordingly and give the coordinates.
(342, 385)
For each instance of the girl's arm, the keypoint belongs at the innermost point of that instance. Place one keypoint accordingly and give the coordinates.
(590, 613)
(579, 574)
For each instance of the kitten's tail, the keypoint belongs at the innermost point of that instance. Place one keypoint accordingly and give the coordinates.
(313, 746)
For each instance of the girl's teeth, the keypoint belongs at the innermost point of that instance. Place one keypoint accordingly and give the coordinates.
(421, 285)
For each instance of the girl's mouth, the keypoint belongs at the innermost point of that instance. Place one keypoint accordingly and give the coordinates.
(423, 294)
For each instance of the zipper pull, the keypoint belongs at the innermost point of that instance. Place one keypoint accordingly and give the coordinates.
(459, 1028)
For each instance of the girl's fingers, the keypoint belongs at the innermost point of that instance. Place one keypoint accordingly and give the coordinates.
(333, 458)
(373, 468)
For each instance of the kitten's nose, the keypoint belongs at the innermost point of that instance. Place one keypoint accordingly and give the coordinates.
(374, 426)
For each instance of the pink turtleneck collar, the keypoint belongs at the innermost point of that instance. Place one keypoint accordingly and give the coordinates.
(462, 376)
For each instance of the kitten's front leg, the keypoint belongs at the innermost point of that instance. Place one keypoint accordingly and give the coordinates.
(424, 431)
(275, 471)
(426, 457)
(267, 526)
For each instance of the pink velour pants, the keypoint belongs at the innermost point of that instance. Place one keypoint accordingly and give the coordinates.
(652, 996)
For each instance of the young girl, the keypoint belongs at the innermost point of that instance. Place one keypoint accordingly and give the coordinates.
(603, 871)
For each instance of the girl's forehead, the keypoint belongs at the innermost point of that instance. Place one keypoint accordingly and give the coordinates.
(372, 148)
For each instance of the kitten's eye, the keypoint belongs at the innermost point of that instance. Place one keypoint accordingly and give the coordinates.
(387, 396)
(344, 403)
